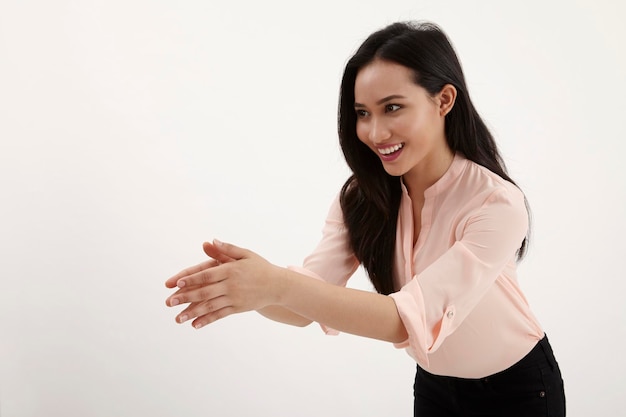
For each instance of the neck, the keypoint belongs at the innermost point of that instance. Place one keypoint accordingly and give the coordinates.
(427, 173)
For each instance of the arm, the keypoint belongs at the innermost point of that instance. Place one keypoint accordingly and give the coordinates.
(348, 310)
(352, 311)
(283, 315)
(251, 283)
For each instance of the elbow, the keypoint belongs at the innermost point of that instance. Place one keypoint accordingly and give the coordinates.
(399, 339)
(399, 335)
(302, 323)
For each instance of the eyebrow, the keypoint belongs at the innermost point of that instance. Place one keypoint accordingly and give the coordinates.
(382, 100)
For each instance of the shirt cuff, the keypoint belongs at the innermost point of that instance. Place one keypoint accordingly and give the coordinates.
(423, 338)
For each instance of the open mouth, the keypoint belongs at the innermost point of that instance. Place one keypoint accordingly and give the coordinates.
(391, 149)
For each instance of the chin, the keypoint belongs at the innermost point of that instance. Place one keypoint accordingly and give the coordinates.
(394, 172)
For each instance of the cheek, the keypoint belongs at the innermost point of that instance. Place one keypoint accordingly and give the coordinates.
(408, 127)
(417, 126)
(432, 122)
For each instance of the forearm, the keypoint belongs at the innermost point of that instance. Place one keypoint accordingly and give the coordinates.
(348, 310)
(284, 315)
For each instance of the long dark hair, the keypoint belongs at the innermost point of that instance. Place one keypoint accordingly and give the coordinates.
(370, 198)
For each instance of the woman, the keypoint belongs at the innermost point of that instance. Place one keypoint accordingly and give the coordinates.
(437, 223)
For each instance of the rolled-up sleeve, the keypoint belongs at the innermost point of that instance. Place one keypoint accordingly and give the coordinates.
(435, 301)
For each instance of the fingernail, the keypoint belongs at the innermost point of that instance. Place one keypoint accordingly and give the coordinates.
(180, 283)
(174, 301)
(217, 242)
(183, 318)
(197, 325)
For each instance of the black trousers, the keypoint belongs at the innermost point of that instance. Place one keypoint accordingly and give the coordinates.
(533, 387)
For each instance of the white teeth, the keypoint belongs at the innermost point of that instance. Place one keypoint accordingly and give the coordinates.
(391, 149)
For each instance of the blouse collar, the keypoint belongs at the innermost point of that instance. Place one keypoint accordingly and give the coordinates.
(454, 170)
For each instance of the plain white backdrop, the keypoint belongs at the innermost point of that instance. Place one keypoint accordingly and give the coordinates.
(132, 131)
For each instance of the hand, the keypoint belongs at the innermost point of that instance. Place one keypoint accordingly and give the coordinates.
(234, 281)
(212, 252)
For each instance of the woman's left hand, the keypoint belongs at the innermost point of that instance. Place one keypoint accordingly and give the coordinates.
(234, 281)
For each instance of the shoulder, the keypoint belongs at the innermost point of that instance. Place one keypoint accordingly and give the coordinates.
(482, 185)
(477, 192)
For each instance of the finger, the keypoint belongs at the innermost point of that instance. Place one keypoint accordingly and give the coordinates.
(210, 276)
(213, 252)
(202, 308)
(190, 307)
(181, 291)
(230, 250)
(171, 282)
(204, 293)
(212, 317)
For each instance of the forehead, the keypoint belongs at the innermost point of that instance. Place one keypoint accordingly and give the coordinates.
(382, 78)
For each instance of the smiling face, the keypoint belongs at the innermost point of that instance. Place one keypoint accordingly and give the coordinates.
(401, 122)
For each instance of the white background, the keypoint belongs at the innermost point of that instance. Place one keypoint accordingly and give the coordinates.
(132, 131)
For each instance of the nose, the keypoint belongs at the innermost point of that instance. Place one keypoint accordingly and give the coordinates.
(378, 131)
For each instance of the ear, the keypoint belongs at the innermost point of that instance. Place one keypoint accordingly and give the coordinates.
(446, 99)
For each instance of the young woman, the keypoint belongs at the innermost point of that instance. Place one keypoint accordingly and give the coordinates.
(436, 222)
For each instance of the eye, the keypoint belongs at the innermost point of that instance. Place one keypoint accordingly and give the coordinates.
(360, 113)
(390, 108)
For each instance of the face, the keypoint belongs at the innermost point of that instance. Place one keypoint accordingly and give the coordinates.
(399, 120)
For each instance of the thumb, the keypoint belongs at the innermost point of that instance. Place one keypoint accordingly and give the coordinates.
(232, 251)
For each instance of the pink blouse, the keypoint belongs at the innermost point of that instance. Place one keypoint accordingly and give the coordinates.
(457, 290)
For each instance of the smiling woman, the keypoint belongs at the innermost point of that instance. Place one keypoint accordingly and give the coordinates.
(410, 124)
(437, 223)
